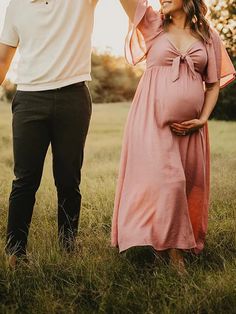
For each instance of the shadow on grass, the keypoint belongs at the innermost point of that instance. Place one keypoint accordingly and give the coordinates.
(145, 258)
(213, 257)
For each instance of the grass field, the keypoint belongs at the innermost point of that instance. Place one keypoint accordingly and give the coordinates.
(99, 280)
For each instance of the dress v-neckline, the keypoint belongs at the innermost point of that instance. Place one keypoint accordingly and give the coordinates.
(177, 49)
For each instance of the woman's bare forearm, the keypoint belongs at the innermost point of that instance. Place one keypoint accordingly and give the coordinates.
(211, 96)
(130, 7)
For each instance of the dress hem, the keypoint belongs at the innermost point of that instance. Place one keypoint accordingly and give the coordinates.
(177, 246)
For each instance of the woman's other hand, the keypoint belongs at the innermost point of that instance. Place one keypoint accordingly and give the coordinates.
(187, 127)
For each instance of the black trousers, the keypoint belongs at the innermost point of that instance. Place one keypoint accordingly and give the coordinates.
(59, 117)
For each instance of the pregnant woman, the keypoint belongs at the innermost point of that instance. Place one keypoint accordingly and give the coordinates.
(162, 196)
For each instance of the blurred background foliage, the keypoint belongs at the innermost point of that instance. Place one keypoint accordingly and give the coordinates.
(114, 80)
(223, 18)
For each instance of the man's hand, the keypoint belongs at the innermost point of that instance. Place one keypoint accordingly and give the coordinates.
(6, 55)
(187, 127)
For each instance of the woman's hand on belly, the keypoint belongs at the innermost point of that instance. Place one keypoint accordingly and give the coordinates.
(187, 127)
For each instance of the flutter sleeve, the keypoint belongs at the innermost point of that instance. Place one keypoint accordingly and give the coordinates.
(219, 66)
(147, 24)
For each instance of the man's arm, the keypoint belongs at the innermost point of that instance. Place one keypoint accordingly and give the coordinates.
(6, 55)
(130, 7)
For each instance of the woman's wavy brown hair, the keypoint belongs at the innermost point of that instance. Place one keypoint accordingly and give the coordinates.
(193, 8)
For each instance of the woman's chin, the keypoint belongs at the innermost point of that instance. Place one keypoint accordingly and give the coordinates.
(166, 12)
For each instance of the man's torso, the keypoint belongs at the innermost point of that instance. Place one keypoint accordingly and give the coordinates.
(54, 41)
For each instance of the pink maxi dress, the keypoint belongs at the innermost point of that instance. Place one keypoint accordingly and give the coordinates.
(162, 195)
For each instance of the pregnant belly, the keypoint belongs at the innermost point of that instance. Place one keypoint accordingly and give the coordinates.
(181, 102)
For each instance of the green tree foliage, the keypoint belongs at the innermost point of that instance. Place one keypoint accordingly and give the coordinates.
(113, 79)
(223, 18)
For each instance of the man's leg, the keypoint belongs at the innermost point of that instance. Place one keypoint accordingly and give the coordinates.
(30, 144)
(71, 122)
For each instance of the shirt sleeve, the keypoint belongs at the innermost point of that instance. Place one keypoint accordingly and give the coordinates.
(147, 24)
(8, 34)
(219, 65)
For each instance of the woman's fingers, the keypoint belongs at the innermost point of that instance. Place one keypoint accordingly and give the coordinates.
(186, 127)
(181, 131)
(183, 125)
(178, 131)
(179, 127)
(190, 122)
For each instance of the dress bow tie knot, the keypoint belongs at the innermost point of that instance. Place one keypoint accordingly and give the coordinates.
(176, 66)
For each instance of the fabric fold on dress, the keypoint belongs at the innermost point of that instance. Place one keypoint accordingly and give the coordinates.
(135, 44)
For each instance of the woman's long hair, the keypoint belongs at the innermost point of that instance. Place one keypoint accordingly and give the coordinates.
(196, 11)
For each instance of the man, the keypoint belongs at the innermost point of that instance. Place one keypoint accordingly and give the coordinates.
(52, 106)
